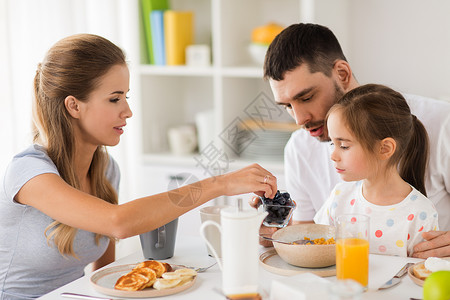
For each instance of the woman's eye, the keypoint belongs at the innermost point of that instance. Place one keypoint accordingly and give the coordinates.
(114, 100)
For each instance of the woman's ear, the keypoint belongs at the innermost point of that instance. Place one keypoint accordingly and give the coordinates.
(72, 106)
(387, 148)
(343, 73)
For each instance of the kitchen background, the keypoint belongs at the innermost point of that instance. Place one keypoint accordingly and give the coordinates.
(403, 43)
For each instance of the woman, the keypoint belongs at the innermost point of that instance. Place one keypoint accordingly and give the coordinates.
(58, 206)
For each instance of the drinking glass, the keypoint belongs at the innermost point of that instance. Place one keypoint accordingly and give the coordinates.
(352, 248)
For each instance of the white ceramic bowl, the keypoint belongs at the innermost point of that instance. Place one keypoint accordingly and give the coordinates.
(306, 256)
(257, 53)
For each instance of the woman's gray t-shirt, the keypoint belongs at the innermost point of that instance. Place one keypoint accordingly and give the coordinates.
(29, 266)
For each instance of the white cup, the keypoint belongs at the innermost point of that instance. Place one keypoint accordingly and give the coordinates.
(212, 213)
(204, 121)
(182, 139)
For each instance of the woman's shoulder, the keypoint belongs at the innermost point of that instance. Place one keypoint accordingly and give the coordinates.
(35, 156)
(31, 162)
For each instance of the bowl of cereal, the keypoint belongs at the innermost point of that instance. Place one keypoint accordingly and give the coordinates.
(306, 245)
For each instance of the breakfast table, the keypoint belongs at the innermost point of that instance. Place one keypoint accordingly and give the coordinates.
(191, 251)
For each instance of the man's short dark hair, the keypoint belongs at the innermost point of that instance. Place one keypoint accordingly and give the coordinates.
(311, 44)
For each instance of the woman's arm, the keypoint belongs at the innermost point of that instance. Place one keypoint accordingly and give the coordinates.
(107, 257)
(54, 197)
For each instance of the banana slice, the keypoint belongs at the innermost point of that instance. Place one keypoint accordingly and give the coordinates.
(171, 275)
(185, 279)
(186, 272)
(163, 283)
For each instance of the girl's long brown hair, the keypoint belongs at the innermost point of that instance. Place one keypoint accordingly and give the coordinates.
(374, 112)
(73, 66)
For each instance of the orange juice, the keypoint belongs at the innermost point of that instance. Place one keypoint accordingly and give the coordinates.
(352, 260)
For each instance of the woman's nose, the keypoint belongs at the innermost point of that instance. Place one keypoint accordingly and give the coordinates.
(127, 113)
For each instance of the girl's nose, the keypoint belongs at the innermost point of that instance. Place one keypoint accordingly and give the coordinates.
(334, 156)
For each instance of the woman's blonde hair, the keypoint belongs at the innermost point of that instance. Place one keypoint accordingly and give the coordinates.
(72, 67)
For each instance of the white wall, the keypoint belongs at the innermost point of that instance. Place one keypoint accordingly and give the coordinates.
(404, 44)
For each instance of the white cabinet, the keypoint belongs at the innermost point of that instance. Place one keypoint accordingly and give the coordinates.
(170, 96)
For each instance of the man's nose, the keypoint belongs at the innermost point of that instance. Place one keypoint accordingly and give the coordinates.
(301, 117)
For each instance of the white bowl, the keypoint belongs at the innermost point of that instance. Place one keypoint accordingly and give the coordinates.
(257, 53)
(306, 256)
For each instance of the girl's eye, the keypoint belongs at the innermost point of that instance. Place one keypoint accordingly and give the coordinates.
(344, 147)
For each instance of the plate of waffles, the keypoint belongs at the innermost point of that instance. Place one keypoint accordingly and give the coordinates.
(143, 280)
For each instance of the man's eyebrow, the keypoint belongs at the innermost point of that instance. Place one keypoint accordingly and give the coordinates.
(302, 93)
(298, 95)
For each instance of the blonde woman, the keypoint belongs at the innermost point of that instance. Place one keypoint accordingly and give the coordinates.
(58, 202)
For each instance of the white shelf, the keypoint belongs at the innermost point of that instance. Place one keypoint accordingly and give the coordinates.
(176, 70)
(170, 96)
(244, 72)
(189, 161)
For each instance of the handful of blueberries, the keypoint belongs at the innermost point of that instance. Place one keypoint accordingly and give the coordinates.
(280, 209)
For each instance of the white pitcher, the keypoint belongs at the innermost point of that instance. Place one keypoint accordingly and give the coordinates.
(240, 242)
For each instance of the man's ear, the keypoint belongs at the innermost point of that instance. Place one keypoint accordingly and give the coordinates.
(387, 148)
(72, 105)
(343, 73)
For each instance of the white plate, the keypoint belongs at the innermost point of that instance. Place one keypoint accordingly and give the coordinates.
(104, 280)
(272, 262)
(413, 277)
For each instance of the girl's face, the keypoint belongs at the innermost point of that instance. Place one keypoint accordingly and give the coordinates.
(103, 116)
(350, 159)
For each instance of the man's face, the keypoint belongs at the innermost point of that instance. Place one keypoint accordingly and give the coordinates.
(307, 97)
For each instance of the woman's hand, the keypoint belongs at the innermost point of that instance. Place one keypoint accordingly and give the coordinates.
(253, 178)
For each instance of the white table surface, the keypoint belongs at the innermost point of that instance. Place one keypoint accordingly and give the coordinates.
(191, 251)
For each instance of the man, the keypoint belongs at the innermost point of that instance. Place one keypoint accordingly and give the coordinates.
(308, 73)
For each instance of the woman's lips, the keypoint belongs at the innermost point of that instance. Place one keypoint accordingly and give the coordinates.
(316, 132)
(119, 129)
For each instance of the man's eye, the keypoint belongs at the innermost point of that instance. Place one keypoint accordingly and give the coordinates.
(287, 106)
(306, 99)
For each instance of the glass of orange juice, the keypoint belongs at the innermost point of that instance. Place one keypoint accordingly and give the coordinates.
(352, 248)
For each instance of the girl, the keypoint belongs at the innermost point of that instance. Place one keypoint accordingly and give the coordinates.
(58, 200)
(381, 152)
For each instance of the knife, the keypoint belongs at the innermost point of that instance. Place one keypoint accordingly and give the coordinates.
(80, 296)
(397, 277)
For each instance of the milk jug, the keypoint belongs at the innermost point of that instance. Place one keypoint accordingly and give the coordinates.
(240, 242)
